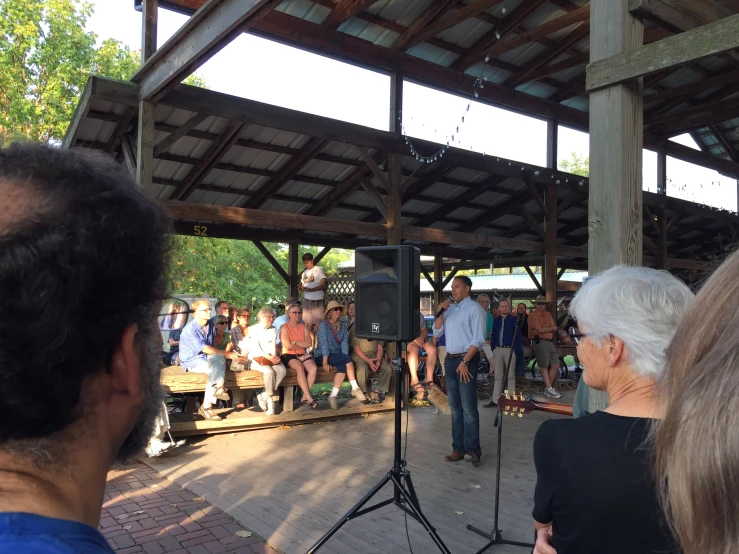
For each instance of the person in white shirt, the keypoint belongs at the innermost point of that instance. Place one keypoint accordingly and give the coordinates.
(312, 283)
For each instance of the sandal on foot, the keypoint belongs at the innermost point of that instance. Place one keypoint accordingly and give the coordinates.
(208, 414)
(419, 390)
(311, 403)
(222, 394)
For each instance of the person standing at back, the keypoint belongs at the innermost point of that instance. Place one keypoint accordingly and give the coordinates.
(313, 283)
(463, 325)
(541, 332)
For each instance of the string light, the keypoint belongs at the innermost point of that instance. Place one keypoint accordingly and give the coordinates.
(476, 86)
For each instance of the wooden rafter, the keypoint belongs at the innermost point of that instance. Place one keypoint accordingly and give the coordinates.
(536, 282)
(724, 142)
(164, 144)
(530, 70)
(535, 225)
(120, 128)
(679, 15)
(450, 20)
(701, 115)
(287, 172)
(435, 172)
(345, 10)
(437, 8)
(217, 150)
(489, 183)
(689, 90)
(377, 200)
(510, 22)
(543, 30)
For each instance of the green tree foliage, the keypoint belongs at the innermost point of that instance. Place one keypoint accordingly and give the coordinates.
(235, 270)
(46, 57)
(576, 164)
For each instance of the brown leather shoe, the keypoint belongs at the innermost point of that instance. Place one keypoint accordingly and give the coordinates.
(454, 457)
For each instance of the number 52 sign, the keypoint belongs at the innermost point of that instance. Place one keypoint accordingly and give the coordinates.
(200, 230)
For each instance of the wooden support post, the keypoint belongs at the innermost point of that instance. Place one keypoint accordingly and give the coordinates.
(438, 279)
(662, 259)
(394, 201)
(452, 274)
(149, 21)
(396, 103)
(145, 141)
(552, 143)
(292, 270)
(662, 172)
(616, 139)
(550, 260)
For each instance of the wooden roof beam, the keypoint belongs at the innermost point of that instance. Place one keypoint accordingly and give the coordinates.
(679, 15)
(217, 150)
(510, 22)
(450, 20)
(286, 173)
(345, 10)
(530, 71)
(724, 142)
(403, 42)
(543, 30)
(708, 40)
(207, 31)
(189, 125)
(490, 183)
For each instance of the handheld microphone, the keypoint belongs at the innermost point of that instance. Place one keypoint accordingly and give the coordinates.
(441, 311)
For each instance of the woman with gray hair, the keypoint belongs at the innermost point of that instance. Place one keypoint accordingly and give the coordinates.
(263, 354)
(595, 491)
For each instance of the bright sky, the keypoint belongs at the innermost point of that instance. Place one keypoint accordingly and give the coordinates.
(269, 72)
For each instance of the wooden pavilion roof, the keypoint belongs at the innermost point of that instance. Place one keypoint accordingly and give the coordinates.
(216, 154)
(533, 54)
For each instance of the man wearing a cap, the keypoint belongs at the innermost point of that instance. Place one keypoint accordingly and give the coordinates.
(541, 332)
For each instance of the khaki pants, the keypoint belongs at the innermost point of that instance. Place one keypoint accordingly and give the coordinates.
(273, 375)
(384, 372)
(487, 349)
(500, 359)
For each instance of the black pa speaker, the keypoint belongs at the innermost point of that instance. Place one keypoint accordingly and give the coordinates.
(387, 292)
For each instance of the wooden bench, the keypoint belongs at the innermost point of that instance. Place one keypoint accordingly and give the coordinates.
(176, 380)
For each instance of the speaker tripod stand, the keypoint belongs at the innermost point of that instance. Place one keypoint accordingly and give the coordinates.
(404, 495)
(496, 535)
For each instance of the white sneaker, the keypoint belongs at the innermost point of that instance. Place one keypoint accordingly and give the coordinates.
(262, 399)
(270, 406)
(551, 393)
(359, 395)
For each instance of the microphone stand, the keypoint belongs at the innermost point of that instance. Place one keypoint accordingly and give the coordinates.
(404, 495)
(496, 535)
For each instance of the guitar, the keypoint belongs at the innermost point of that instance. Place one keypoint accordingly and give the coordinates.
(518, 405)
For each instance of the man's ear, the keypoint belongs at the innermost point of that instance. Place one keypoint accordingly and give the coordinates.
(125, 364)
(616, 350)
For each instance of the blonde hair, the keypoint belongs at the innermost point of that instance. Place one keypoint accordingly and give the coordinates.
(199, 304)
(696, 446)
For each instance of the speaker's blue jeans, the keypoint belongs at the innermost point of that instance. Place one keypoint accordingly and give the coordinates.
(463, 405)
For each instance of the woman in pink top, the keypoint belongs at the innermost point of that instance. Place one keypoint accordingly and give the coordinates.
(296, 343)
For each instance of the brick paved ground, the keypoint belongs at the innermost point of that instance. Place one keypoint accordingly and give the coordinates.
(143, 512)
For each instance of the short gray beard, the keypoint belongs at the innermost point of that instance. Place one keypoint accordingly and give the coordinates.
(149, 340)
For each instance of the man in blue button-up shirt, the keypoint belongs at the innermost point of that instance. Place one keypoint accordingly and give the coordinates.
(463, 326)
(501, 341)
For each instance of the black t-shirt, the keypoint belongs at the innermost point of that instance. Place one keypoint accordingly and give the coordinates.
(594, 483)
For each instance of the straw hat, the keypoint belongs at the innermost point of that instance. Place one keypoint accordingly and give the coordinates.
(541, 300)
(334, 304)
